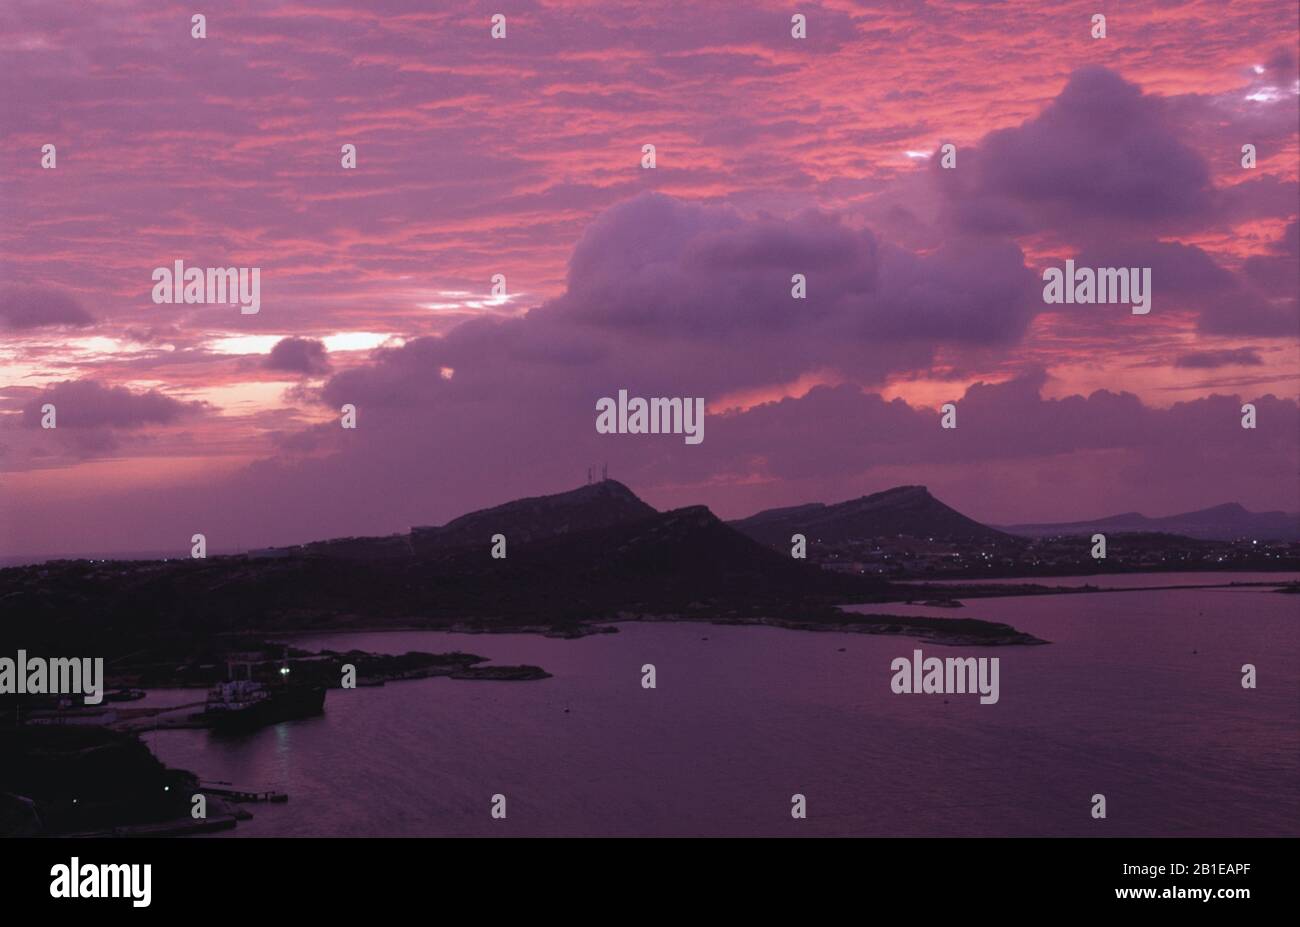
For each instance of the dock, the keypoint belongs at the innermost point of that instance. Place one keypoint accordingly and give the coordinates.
(235, 793)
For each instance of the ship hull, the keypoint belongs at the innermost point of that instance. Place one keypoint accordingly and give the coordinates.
(299, 702)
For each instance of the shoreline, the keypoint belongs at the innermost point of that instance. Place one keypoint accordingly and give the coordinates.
(947, 630)
(948, 595)
(950, 631)
(1020, 590)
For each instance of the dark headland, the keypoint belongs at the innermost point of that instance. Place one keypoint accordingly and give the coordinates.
(574, 563)
(579, 562)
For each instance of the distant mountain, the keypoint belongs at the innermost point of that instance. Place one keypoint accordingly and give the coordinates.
(596, 505)
(903, 510)
(683, 560)
(1228, 522)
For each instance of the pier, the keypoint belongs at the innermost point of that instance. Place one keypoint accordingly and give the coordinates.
(235, 793)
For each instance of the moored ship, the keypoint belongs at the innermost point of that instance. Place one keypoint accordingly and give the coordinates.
(245, 704)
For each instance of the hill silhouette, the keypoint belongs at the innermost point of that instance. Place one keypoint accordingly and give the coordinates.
(558, 572)
(901, 511)
(596, 505)
(1228, 522)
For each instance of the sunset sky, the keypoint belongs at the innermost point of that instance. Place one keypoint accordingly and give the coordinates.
(522, 157)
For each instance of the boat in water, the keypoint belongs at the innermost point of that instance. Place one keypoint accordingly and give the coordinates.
(245, 704)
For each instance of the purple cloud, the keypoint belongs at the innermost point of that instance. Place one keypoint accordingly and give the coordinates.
(298, 355)
(1208, 360)
(37, 307)
(655, 264)
(90, 404)
(1101, 151)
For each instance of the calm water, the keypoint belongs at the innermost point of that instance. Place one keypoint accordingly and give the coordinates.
(1138, 697)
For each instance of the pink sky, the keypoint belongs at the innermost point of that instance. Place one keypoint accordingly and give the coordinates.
(522, 157)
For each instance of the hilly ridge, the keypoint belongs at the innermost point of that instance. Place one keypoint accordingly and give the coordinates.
(680, 562)
(592, 554)
(596, 505)
(903, 510)
(1226, 522)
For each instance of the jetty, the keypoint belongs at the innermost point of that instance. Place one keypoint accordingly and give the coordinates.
(236, 793)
